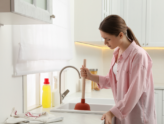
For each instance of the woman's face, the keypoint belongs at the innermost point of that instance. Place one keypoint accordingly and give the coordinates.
(111, 40)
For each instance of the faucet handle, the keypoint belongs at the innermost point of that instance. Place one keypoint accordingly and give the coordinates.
(65, 93)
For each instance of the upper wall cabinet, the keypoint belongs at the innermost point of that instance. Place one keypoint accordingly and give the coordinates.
(145, 20)
(142, 16)
(26, 12)
(155, 25)
(88, 15)
(134, 14)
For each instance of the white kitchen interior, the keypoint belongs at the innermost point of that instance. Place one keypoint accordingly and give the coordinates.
(144, 17)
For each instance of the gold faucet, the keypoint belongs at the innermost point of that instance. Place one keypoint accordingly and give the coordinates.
(67, 91)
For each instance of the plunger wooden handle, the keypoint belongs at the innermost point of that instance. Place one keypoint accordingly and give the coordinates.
(83, 88)
(82, 105)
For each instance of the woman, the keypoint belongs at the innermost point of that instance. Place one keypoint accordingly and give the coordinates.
(129, 77)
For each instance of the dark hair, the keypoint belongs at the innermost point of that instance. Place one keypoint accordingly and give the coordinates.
(114, 24)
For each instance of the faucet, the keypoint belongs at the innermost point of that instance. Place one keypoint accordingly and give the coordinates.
(67, 91)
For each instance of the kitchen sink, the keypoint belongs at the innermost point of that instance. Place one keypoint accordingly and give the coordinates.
(97, 106)
(91, 101)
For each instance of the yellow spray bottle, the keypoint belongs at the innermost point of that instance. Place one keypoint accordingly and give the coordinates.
(46, 95)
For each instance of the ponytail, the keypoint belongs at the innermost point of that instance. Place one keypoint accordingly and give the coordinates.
(131, 36)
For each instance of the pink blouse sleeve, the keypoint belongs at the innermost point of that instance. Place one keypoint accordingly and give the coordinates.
(137, 85)
(104, 82)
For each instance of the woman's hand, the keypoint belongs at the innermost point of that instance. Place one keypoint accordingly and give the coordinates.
(108, 117)
(85, 73)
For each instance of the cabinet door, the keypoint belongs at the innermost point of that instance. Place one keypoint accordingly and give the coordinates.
(37, 9)
(116, 7)
(155, 25)
(158, 105)
(134, 14)
(110, 7)
(88, 16)
(61, 11)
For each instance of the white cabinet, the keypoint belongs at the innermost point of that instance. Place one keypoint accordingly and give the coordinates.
(88, 15)
(155, 25)
(134, 14)
(144, 17)
(116, 7)
(145, 20)
(87, 22)
(159, 105)
(26, 11)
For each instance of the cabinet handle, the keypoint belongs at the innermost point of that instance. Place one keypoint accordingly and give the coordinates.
(52, 16)
(143, 44)
(147, 44)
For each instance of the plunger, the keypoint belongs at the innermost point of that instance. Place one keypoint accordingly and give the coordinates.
(82, 105)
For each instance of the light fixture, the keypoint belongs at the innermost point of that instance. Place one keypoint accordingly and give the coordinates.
(85, 44)
(146, 48)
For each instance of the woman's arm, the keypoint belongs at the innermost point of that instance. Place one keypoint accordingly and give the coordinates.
(94, 78)
(102, 81)
(87, 74)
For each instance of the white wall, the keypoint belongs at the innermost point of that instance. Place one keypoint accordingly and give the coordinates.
(10, 87)
(93, 55)
(157, 57)
(94, 59)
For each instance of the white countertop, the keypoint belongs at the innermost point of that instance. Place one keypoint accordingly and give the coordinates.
(77, 118)
(74, 118)
(159, 86)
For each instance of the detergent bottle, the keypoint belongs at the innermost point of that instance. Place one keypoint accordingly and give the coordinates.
(46, 95)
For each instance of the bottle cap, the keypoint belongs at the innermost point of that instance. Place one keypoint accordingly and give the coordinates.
(46, 81)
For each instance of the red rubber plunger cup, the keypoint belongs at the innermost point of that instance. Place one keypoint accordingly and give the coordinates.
(82, 105)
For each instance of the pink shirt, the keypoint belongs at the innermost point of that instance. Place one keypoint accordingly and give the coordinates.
(133, 91)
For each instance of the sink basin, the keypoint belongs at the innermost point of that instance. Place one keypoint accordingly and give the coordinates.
(91, 101)
(97, 106)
